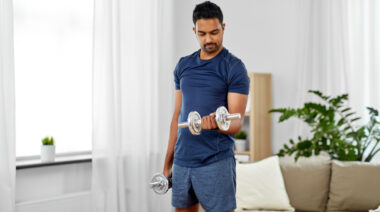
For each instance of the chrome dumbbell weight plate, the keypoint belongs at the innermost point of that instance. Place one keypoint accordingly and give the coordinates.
(194, 123)
(160, 183)
(223, 118)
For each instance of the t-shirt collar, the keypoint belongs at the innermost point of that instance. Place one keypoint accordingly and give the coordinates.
(199, 60)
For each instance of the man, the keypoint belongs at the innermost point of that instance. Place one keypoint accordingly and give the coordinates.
(204, 165)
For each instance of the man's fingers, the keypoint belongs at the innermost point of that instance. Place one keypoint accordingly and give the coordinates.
(212, 121)
(214, 125)
(209, 122)
(206, 122)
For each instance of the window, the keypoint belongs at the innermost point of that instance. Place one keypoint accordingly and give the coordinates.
(53, 76)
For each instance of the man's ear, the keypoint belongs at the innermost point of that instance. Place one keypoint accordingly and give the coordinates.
(223, 26)
(194, 30)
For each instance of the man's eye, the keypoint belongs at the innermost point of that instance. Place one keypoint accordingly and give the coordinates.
(201, 34)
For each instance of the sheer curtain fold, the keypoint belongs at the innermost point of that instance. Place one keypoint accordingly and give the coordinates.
(131, 110)
(338, 52)
(7, 109)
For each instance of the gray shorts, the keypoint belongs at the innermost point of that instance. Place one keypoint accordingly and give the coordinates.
(213, 186)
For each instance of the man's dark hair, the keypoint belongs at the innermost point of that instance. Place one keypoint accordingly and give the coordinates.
(207, 9)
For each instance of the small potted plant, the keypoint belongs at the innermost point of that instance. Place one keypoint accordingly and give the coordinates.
(47, 149)
(240, 141)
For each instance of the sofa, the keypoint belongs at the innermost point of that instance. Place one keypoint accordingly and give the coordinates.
(316, 183)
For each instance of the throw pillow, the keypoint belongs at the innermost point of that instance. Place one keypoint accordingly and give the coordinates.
(260, 186)
(354, 185)
(307, 181)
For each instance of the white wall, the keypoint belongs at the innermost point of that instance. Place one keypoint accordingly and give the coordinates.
(260, 32)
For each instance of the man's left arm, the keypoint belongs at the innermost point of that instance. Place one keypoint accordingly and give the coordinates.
(236, 104)
(237, 96)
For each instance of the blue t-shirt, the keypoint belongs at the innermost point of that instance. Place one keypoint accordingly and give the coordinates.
(204, 85)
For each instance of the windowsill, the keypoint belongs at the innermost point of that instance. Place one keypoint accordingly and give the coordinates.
(60, 159)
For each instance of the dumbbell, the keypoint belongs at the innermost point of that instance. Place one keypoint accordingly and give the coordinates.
(222, 117)
(194, 123)
(160, 183)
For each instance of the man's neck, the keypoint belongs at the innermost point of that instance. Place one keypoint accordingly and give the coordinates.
(205, 56)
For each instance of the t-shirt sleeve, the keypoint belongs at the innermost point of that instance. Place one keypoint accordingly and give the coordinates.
(177, 70)
(238, 79)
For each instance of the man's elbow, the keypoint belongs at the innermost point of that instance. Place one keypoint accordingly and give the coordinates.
(236, 127)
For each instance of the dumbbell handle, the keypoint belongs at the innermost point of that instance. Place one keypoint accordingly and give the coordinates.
(155, 183)
(183, 125)
(233, 116)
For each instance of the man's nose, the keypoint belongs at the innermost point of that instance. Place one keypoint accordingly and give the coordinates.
(208, 39)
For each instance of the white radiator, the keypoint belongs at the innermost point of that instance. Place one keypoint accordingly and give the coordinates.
(75, 202)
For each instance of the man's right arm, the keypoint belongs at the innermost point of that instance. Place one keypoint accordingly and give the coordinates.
(173, 135)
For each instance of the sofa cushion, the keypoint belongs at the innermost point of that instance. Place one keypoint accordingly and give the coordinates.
(375, 210)
(260, 186)
(307, 181)
(354, 185)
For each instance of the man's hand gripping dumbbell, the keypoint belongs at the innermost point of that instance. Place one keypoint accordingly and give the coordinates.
(220, 119)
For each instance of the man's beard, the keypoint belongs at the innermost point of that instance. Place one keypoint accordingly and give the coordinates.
(210, 48)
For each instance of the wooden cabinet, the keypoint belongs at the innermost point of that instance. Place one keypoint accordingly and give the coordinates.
(257, 117)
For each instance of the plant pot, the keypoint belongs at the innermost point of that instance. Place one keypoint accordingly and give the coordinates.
(240, 145)
(47, 153)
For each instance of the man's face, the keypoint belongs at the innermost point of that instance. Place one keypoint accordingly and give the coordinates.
(209, 33)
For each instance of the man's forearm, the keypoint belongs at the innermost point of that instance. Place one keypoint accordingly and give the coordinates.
(169, 158)
(234, 127)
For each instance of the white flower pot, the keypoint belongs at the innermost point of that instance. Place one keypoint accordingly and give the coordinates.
(47, 153)
(240, 145)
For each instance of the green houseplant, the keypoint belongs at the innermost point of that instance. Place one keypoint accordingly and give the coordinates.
(241, 135)
(333, 130)
(47, 149)
(48, 141)
(240, 141)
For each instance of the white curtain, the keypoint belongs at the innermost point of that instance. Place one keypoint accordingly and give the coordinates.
(132, 103)
(339, 52)
(7, 109)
